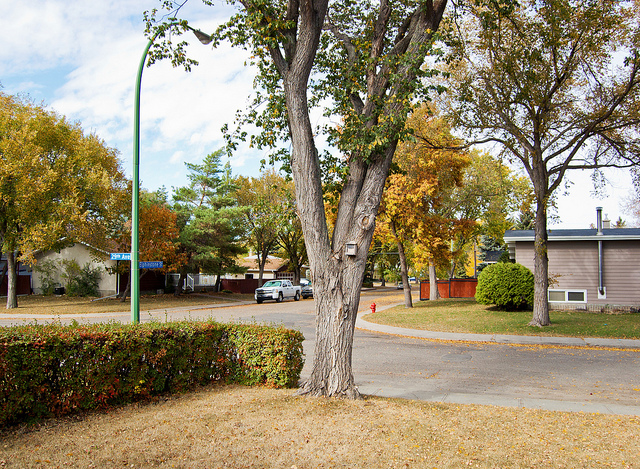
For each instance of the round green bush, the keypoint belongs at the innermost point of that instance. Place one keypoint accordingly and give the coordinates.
(506, 285)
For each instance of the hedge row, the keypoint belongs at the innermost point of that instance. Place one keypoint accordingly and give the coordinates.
(52, 370)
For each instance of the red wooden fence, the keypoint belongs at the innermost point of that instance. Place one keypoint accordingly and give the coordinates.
(23, 286)
(247, 285)
(453, 288)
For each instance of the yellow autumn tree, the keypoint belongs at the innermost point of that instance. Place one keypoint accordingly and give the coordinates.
(55, 181)
(418, 205)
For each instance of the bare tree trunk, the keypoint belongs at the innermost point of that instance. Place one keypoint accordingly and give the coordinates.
(126, 291)
(434, 293)
(541, 268)
(406, 286)
(12, 280)
(262, 260)
(336, 311)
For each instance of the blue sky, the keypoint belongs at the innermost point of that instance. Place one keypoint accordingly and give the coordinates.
(81, 58)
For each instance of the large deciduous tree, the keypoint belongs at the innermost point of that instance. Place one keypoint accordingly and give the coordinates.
(158, 232)
(290, 234)
(57, 184)
(419, 202)
(261, 199)
(556, 83)
(369, 56)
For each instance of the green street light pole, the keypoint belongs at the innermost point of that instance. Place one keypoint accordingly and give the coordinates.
(135, 195)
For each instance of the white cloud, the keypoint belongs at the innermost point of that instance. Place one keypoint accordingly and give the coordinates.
(177, 157)
(82, 58)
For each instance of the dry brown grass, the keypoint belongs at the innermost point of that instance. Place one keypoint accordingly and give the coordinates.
(240, 427)
(37, 304)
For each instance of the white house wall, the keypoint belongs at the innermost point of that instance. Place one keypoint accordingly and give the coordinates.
(81, 254)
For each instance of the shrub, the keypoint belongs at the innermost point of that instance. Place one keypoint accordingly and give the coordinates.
(506, 285)
(48, 271)
(51, 369)
(86, 282)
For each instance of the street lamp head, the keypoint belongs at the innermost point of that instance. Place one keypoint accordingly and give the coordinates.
(202, 37)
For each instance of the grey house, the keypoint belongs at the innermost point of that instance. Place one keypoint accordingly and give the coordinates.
(588, 269)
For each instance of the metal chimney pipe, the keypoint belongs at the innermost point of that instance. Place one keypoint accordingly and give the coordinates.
(601, 291)
(599, 219)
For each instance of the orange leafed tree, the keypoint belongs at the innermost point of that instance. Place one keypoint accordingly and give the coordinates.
(158, 232)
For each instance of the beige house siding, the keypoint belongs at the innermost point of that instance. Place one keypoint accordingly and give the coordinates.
(82, 255)
(574, 264)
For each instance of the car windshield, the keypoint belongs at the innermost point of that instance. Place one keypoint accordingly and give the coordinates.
(272, 283)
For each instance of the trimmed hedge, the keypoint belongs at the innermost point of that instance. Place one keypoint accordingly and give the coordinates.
(505, 285)
(53, 370)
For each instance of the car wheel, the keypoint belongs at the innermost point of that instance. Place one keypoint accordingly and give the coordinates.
(297, 297)
(279, 300)
(259, 301)
(304, 297)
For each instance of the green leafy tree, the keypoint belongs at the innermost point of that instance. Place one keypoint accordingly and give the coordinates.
(290, 235)
(209, 220)
(57, 184)
(556, 84)
(261, 199)
(364, 61)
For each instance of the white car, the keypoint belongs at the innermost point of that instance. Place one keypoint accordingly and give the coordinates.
(277, 290)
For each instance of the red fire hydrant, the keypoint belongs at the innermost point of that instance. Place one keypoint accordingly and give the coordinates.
(373, 307)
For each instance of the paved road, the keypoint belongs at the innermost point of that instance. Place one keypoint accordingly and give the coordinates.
(533, 376)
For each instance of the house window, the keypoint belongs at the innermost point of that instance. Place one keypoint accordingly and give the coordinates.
(568, 296)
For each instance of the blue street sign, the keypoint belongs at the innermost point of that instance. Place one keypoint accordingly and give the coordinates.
(126, 256)
(120, 256)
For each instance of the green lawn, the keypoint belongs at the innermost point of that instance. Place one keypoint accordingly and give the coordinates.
(465, 315)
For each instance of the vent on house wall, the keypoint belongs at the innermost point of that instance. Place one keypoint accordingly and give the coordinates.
(567, 296)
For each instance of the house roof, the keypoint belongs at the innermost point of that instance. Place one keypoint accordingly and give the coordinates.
(611, 234)
(273, 264)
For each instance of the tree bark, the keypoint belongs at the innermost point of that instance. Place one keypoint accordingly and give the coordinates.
(126, 291)
(541, 268)
(262, 261)
(434, 293)
(12, 280)
(406, 286)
